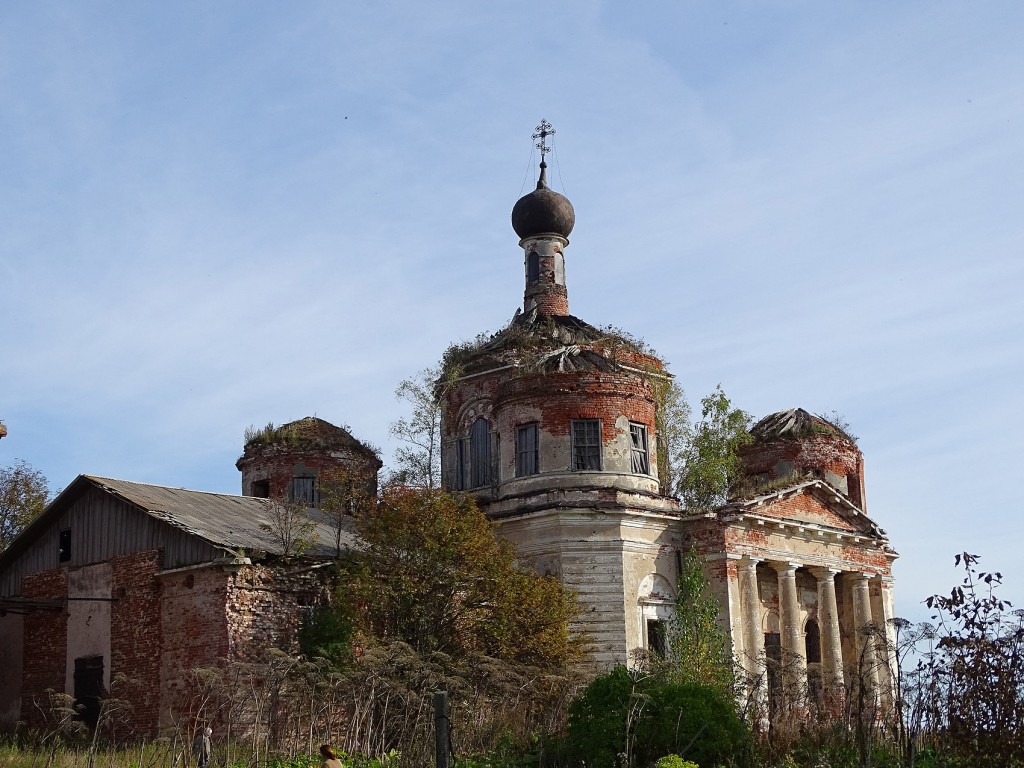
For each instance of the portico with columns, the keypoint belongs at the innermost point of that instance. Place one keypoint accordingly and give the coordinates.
(806, 589)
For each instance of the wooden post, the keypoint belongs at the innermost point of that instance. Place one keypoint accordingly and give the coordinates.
(442, 728)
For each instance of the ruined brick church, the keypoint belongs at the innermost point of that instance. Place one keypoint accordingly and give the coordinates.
(551, 424)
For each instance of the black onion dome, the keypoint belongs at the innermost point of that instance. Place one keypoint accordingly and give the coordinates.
(543, 211)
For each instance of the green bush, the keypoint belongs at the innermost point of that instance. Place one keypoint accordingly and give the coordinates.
(658, 718)
(674, 761)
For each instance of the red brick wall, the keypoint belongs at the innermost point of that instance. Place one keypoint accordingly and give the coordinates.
(815, 454)
(265, 606)
(46, 640)
(135, 637)
(193, 629)
(276, 463)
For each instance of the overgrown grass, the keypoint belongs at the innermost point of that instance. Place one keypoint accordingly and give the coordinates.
(160, 754)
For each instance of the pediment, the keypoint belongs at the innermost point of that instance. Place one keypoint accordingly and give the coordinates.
(811, 503)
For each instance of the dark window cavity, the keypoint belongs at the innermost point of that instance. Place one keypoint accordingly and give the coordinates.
(480, 453)
(261, 489)
(89, 688)
(532, 267)
(527, 450)
(586, 444)
(303, 490)
(640, 460)
(64, 545)
(656, 643)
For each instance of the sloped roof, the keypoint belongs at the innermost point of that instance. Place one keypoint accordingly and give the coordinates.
(308, 433)
(550, 344)
(225, 520)
(820, 488)
(795, 423)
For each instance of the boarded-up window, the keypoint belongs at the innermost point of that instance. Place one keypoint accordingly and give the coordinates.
(639, 458)
(586, 444)
(527, 450)
(303, 490)
(480, 453)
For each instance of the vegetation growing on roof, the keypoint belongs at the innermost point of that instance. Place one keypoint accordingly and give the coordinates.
(311, 432)
(546, 344)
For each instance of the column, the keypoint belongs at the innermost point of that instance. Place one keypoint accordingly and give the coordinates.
(866, 664)
(753, 633)
(831, 642)
(882, 610)
(794, 660)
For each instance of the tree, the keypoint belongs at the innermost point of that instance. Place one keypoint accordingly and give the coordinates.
(712, 456)
(419, 460)
(673, 430)
(434, 574)
(698, 648)
(24, 493)
(290, 527)
(346, 493)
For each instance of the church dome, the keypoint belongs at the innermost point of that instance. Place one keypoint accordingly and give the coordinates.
(796, 424)
(543, 211)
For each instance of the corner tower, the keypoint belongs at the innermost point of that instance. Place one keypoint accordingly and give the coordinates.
(551, 424)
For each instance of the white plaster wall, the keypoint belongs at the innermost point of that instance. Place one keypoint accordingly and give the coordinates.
(12, 643)
(603, 557)
(88, 620)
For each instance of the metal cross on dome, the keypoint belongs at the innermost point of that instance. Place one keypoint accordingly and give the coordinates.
(542, 132)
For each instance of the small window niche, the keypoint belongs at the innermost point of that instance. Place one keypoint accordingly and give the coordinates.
(261, 489)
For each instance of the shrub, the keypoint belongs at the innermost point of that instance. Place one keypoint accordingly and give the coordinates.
(674, 761)
(644, 718)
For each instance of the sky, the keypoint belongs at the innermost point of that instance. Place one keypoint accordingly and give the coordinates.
(216, 215)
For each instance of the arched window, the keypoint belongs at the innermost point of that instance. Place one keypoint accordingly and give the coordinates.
(480, 453)
(532, 267)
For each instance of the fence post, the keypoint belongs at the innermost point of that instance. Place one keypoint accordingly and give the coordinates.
(442, 728)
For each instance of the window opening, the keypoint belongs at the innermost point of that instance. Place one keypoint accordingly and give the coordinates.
(64, 545)
(527, 450)
(261, 489)
(640, 459)
(89, 688)
(532, 267)
(480, 453)
(303, 490)
(586, 444)
(656, 637)
(773, 664)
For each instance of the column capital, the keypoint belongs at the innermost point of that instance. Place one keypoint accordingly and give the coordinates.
(784, 567)
(824, 572)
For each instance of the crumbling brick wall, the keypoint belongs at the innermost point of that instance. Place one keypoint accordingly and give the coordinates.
(46, 640)
(265, 606)
(135, 637)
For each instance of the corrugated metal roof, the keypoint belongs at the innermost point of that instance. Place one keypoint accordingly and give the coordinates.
(229, 521)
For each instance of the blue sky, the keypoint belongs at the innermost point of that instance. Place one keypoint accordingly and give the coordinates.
(221, 214)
